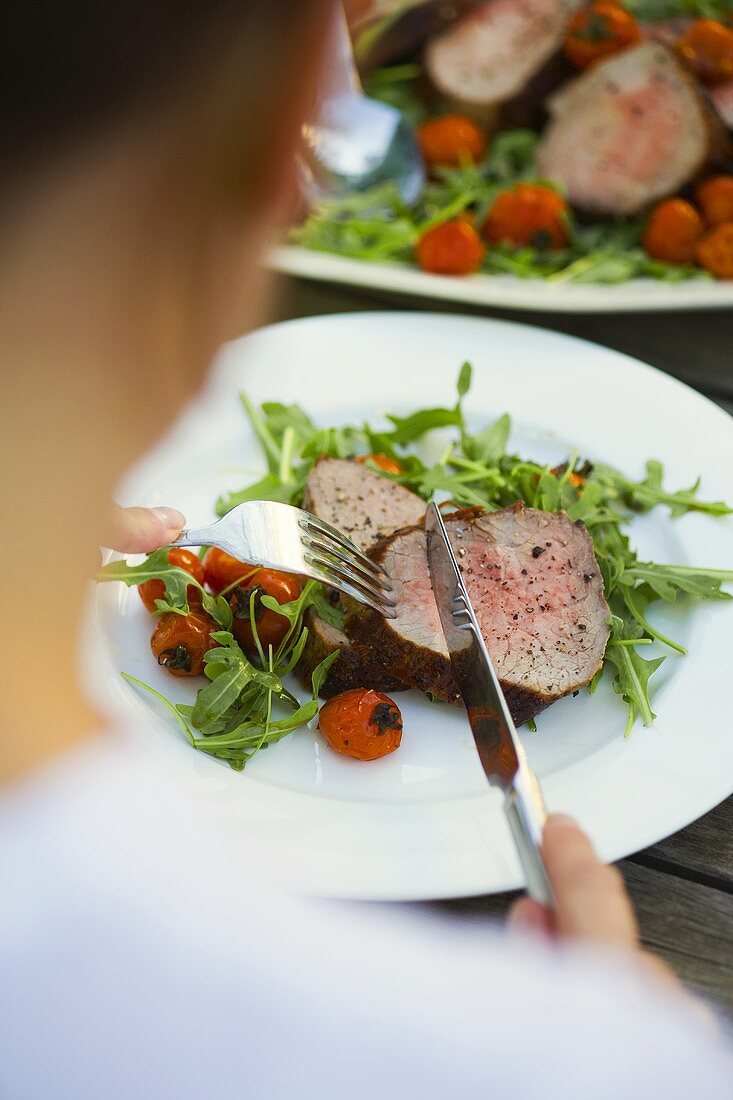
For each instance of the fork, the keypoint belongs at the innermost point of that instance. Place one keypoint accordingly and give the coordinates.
(356, 142)
(280, 536)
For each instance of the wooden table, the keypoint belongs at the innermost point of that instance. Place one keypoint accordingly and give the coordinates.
(683, 887)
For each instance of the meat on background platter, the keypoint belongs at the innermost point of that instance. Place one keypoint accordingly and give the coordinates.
(422, 823)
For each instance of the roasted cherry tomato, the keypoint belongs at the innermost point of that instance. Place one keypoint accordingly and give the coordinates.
(453, 248)
(179, 642)
(673, 231)
(707, 47)
(451, 140)
(221, 570)
(528, 214)
(715, 251)
(184, 559)
(361, 723)
(600, 30)
(384, 462)
(715, 199)
(271, 627)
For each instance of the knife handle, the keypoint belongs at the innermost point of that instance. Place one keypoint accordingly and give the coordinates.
(526, 821)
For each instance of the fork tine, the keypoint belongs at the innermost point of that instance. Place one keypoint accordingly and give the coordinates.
(341, 571)
(311, 525)
(342, 578)
(333, 554)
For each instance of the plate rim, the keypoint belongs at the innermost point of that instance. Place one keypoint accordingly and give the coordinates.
(500, 291)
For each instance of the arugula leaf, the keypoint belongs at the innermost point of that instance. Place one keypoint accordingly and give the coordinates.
(279, 417)
(177, 583)
(488, 445)
(632, 673)
(644, 495)
(233, 744)
(219, 609)
(463, 385)
(269, 487)
(320, 672)
(155, 567)
(230, 672)
(636, 600)
(668, 581)
(262, 430)
(331, 613)
(653, 11)
(296, 654)
(409, 428)
(174, 710)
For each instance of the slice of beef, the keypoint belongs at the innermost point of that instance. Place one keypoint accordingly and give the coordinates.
(501, 54)
(669, 32)
(366, 507)
(361, 503)
(538, 594)
(629, 130)
(384, 31)
(356, 666)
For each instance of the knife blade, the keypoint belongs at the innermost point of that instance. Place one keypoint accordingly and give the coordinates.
(497, 742)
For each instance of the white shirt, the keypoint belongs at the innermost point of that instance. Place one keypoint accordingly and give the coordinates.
(142, 956)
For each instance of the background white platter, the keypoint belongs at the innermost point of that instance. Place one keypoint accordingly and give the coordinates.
(422, 823)
(504, 291)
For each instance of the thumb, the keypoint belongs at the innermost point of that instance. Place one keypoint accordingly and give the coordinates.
(592, 903)
(140, 530)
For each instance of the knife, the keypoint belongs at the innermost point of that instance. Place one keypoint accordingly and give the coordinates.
(500, 750)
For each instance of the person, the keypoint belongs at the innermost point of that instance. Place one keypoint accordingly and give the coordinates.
(147, 152)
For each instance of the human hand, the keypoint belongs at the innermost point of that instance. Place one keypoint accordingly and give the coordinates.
(592, 905)
(141, 530)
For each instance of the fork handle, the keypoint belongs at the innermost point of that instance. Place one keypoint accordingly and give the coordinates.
(341, 77)
(209, 536)
(190, 536)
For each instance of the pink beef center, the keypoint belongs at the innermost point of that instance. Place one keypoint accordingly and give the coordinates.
(634, 128)
(534, 608)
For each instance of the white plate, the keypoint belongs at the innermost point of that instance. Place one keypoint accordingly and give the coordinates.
(422, 823)
(638, 295)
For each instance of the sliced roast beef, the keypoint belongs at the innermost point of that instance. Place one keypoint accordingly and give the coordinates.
(538, 595)
(384, 31)
(356, 666)
(361, 503)
(366, 507)
(497, 50)
(629, 130)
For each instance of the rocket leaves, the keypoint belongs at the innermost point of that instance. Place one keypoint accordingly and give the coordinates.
(177, 583)
(476, 468)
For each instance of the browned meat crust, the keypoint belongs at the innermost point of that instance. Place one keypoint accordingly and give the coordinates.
(357, 666)
(366, 507)
(538, 594)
